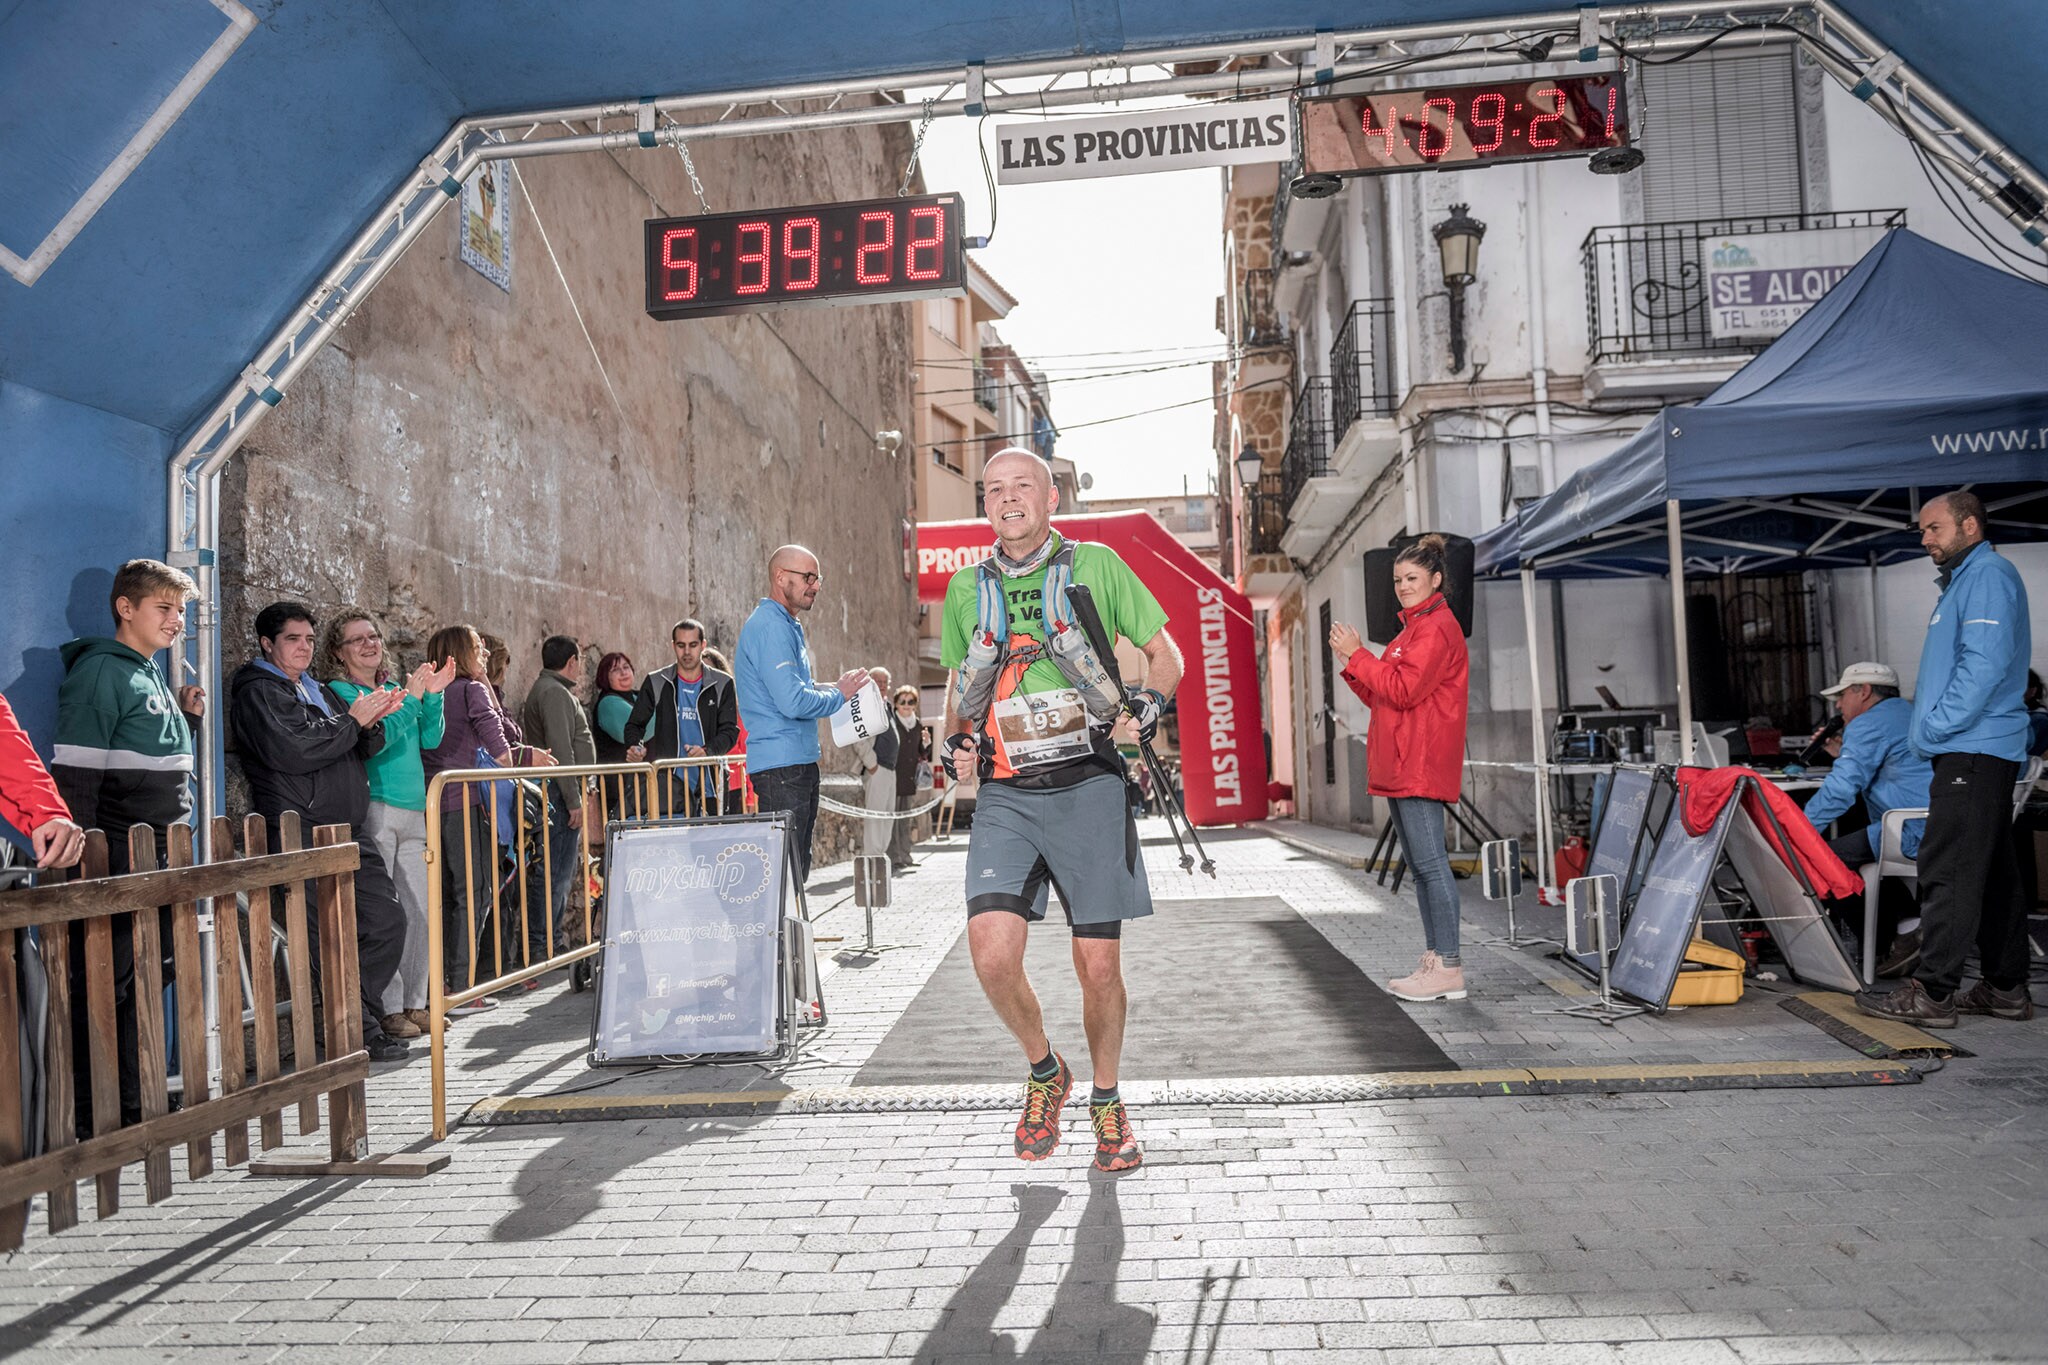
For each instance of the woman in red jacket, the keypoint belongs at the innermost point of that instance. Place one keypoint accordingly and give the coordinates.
(1415, 752)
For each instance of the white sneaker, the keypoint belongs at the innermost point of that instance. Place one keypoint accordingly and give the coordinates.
(1433, 981)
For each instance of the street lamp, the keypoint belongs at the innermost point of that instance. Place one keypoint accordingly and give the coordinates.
(1249, 467)
(1457, 245)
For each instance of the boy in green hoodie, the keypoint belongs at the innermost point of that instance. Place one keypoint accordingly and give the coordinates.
(123, 757)
(123, 754)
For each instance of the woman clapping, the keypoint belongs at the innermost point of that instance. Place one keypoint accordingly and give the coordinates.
(1415, 751)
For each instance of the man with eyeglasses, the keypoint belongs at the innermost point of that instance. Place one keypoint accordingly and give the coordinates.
(780, 703)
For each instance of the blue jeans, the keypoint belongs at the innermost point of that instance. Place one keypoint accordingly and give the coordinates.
(1420, 823)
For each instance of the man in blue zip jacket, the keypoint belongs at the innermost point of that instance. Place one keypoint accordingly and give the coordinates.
(780, 704)
(1970, 722)
(1877, 764)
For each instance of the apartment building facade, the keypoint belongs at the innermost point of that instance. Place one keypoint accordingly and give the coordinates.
(1586, 310)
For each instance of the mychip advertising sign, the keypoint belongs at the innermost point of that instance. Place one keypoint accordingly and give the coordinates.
(693, 925)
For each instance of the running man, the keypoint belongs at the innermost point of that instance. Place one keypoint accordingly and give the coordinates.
(1031, 707)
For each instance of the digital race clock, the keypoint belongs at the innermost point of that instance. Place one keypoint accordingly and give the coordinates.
(1461, 125)
(821, 253)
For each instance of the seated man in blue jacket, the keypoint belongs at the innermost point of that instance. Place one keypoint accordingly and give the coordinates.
(1878, 765)
(1970, 722)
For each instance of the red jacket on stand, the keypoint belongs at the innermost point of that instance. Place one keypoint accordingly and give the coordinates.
(1417, 692)
(1703, 791)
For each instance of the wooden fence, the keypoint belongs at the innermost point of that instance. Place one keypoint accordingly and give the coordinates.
(254, 1087)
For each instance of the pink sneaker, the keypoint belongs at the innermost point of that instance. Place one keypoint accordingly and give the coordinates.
(1431, 981)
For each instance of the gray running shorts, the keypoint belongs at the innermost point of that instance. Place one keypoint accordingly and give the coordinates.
(1081, 841)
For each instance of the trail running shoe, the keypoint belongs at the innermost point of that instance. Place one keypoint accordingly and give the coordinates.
(1038, 1132)
(1116, 1146)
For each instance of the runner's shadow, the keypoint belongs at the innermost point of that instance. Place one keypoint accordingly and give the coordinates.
(566, 1184)
(1085, 1322)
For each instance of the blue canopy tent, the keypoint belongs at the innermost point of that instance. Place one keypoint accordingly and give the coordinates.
(1919, 371)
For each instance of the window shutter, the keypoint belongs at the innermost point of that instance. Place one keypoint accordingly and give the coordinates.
(1721, 137)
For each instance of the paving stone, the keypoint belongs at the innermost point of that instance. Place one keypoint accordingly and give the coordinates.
(1730, 1228)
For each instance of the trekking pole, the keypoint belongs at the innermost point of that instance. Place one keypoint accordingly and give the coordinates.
(1174, 804)
(1082, 601)
(1152, 766)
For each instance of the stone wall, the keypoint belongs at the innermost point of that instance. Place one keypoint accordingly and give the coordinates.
(551, 460)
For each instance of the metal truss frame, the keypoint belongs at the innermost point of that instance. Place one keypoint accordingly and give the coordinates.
(1267, 65)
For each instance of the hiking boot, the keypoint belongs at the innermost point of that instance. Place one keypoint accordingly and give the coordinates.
(1910, 1003)
(1903, 957)
(1984, 998)
(1431, 981)
(1422, 968)
(399, 1026)
(1038, 1132)
(1116, 1146)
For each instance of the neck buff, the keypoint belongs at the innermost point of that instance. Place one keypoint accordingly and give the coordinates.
(1017, 568)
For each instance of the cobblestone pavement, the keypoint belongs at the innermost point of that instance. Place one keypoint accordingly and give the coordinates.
(1893, 1223)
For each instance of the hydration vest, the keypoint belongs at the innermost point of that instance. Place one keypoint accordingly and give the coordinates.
(997, 660)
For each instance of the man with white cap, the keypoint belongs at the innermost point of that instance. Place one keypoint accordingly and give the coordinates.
(1877, 764)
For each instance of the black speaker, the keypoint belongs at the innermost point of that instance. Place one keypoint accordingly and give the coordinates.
(1383, 609)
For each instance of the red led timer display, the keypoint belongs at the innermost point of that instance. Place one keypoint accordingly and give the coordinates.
(1400, 130)
(820, 253)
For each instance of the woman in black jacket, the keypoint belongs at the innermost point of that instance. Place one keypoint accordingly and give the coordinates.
(913, 747)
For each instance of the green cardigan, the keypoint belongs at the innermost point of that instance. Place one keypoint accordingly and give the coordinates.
(396, 777)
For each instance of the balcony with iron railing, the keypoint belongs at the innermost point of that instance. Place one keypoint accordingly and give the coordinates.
(985, 387)
(1265, 514)
(1309, 438)
(1647, 295)
(1258, 316)
(1362, 364)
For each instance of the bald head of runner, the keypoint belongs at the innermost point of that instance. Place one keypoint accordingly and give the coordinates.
(1019, 496)
(793, 577)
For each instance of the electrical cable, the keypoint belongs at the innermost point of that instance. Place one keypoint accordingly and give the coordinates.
(1764, 25)
(1081, 378)
(1104, 421)
(988, 174)
(1960, 210)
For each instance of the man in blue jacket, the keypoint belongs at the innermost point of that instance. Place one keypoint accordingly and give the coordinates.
(1970, 722)
(1877, 764)
(780, 704)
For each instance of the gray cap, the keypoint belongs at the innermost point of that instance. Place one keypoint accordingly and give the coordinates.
(1877, 675)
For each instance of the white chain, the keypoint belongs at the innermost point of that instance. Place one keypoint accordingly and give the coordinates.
(696, 185)
(862, 813)
(916, 146)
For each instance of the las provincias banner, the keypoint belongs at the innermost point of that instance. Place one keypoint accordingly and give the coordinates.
(1223, 754)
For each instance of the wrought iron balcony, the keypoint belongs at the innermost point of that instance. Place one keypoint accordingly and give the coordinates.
(985, 387)
(1265, 514)
(1646, 284)
(1258, 320)
(1310, 438)
(1362, 364)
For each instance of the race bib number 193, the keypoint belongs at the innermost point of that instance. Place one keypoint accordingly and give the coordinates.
(1039, 729)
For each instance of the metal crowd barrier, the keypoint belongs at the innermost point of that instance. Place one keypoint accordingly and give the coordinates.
(521, 802)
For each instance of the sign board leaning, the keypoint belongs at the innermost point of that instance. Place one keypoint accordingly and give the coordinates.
(693, 915)
(1762, 283)
(1221, 134)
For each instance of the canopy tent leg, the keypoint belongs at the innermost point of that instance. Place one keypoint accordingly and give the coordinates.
(1674, 540)
(1544, 837)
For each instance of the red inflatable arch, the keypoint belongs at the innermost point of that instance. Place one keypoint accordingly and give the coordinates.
(1223, 754)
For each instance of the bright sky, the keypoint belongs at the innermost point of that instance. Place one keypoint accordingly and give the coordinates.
(1124, 264)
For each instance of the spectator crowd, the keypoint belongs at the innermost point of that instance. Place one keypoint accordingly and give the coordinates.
(325, 722)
